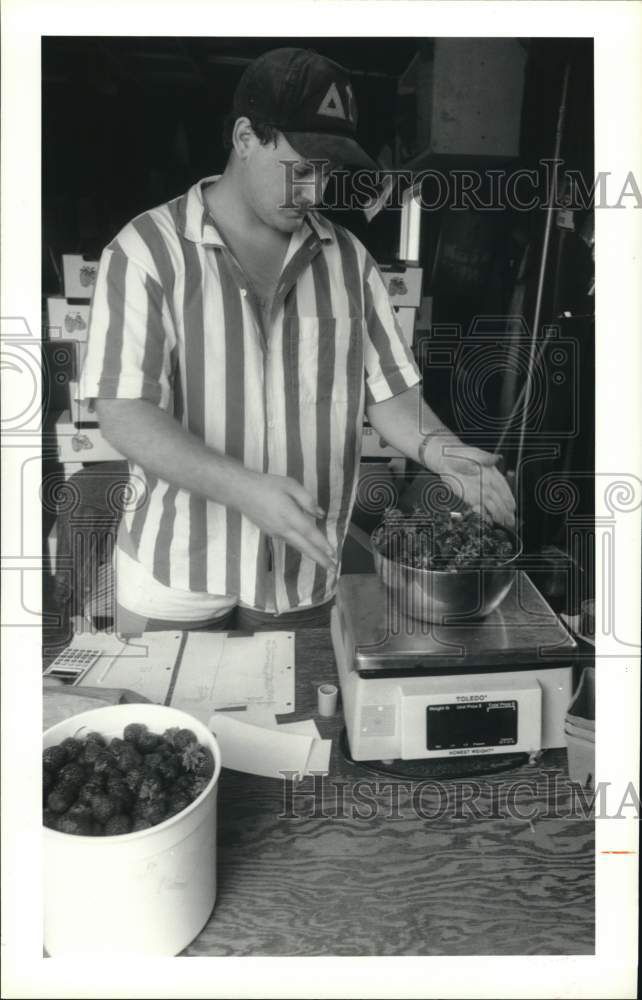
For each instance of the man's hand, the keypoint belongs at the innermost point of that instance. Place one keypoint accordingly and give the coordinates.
(282, 508)
(279, 506)
(470, 472)
(473, 476)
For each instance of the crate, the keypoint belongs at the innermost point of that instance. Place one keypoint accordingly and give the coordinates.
(79, 275)
(66, 320)
(82, 445)
(374, 446)
(81, 413)
(403, 285)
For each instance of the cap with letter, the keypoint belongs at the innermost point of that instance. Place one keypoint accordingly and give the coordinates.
(309, 99)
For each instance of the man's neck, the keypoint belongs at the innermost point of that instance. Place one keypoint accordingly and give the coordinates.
(231, 211)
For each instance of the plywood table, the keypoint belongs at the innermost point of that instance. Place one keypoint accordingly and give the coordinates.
(501, 867)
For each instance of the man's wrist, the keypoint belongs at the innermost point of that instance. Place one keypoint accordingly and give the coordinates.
(431, 447)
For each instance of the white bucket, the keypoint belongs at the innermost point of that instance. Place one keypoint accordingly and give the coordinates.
(144, 893)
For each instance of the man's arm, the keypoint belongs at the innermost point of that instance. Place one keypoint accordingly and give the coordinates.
(278, 505)
(407, 423)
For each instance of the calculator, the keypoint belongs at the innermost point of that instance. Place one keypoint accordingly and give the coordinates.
(73, 663)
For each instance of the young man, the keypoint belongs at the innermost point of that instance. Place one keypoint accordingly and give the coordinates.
(236, 338)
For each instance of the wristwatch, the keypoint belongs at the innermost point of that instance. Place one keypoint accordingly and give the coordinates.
(425, 441)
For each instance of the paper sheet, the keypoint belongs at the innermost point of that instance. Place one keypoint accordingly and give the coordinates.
(260, 715)
(269, 752)
(216, 670)
(221, 670)
(307, 727)
(145, 665)
(319, 759)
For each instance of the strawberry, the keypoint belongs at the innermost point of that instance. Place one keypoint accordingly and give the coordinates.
(140, 823)
(72, 747)
(169, 769)
(48, 781)
(147, 742)
(54, 758)
(68, 825)
(103, 807)
(104, 762)
(154, 812)
(128, 758)
(94, 737)
(198, 786)
(134, 731)
(151, 789)
(184, 783)
(176, 802)
(82, 815)
(72, 774)
(134, 778)
(50, 819)
(96, 787)
(120, 792)
(61, 797)
(90, 751)
(93, 786)
(183, 739)
(152, 762)
(198, 760)
(118, 825)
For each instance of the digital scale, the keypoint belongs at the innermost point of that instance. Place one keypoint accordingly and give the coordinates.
(413, 690)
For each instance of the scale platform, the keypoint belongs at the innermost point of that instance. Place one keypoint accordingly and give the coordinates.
(523, 632)
(416, 690)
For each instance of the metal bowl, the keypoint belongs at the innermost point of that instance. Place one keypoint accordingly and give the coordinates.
(436, 595)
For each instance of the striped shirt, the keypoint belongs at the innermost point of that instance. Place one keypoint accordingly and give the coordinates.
(174, 321)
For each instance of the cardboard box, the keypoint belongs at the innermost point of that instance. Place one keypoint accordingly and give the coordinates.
(85, 445)
(71, 322)
(374, 446)
(79, 276)
(80, 411)
(406, 318)
(403, 284)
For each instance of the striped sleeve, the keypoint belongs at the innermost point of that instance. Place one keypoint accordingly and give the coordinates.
(128, 349)
(389, 364)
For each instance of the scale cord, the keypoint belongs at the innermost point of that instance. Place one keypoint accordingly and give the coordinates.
(542, 270)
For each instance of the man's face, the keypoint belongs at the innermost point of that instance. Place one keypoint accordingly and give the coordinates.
(279, 185)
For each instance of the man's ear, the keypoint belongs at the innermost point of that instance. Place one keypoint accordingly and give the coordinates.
(243, 137)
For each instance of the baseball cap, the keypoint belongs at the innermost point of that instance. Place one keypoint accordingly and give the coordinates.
(309, 99)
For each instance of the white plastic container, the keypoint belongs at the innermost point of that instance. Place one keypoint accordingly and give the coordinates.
(581, 756)
(579, 730)
(144, 893)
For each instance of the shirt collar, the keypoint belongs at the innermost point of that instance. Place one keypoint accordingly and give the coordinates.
(198, 225)
(320, 226)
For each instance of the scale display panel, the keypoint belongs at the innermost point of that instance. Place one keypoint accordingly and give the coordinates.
(462, 726)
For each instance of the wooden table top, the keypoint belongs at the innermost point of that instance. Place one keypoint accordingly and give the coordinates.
(295, 877)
